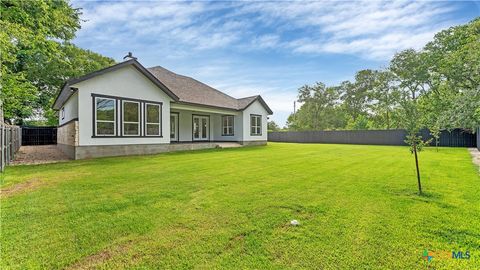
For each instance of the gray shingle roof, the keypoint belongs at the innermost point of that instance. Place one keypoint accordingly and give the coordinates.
(190, 90)
(180, 88)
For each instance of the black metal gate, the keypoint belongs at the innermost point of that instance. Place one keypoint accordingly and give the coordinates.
(39, 135)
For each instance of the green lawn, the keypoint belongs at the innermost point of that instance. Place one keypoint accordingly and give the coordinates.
(230, 208)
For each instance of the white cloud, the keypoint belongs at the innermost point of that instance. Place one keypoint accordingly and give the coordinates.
(190, 35)
(369, 29)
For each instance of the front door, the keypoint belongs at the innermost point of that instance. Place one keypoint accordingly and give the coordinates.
(200, 128)
(174, 127)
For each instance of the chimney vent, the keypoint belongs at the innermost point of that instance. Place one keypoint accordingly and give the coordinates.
(129, 56)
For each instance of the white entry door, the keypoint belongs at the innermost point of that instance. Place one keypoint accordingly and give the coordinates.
(201, 127)
(174, 127)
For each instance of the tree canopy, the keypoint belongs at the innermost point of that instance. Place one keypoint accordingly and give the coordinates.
(438, 87)
(38, 56)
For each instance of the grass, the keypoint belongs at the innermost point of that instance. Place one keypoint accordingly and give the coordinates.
(230, 208)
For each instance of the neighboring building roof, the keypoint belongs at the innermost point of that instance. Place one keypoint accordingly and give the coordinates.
(181, 89)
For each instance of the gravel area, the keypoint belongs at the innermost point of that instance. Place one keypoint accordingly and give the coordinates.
(38, 154)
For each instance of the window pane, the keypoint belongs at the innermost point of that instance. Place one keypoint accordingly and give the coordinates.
(172, 127)
(153, 129)
(153, 113)
(130, 112)
(105, 109)
(204, 128)
(130, 129)
(230, 130)
(252, 130)
(105, 128)
(196, 129)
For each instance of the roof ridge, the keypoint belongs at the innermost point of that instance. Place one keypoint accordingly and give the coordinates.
(255, 96)
(193, 79)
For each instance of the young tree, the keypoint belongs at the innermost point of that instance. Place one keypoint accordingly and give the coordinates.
(411, 75)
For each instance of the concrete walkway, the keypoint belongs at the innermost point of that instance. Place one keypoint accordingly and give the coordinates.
(228, 144)
(475, 156)
(38, 154)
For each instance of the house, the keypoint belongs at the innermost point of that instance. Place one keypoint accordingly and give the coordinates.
(127, 109)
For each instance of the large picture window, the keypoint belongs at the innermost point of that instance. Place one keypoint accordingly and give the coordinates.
(105, 114)
(255, 125)
(131, 118)
(114, 116)
(152, 122)
(227, 125)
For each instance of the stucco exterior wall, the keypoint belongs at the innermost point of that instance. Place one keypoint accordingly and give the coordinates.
(254, 108)
(126, 82)
(70, 109)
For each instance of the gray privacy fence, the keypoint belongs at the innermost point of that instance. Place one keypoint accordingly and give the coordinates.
(454, 138)
(11, 139)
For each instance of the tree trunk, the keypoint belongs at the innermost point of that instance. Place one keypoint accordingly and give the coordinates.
(388, 121)
(418, 170)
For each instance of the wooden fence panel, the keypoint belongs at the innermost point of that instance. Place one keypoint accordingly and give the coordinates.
(11, 139)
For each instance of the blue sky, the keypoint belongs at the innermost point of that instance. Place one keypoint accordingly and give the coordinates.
(268, 48)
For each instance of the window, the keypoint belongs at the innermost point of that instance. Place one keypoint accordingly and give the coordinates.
(227, 125)
(131, 118)
(63, 113)
(255, 125)
(125, 117)
(152, 119)
(105, 114)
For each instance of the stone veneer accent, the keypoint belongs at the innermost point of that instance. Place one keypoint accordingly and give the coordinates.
(67, 138)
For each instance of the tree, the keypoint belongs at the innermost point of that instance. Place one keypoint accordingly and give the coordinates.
(384, 97)
(319, 108)
(408, 69)
(272, 126)
(454, 68)
(36, 56)
(356, 95)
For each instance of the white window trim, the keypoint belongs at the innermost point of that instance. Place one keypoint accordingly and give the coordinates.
(106, 121)
(153, 123)
(257, 125)
(129, 122)
(229, 125)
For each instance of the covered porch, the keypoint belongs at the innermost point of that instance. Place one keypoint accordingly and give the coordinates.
(190, 124)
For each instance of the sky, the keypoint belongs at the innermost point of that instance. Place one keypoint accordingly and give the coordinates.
(269, 48)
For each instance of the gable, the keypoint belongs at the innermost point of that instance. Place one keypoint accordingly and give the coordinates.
(69, 86)
(124, 82)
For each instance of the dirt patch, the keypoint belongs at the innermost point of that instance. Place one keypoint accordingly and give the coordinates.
(20, 188)
(475, 156)
(94, 260)
(38, 154)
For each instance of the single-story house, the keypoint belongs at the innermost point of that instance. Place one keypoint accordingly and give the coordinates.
(127, 109)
